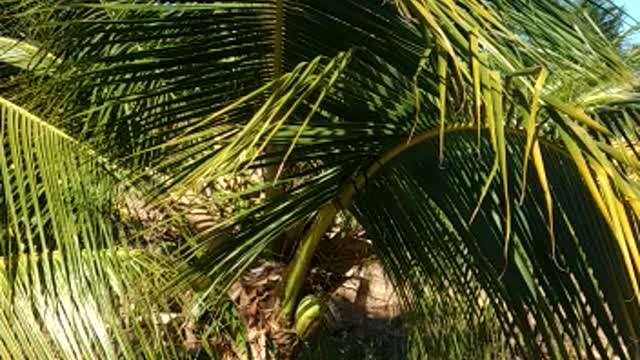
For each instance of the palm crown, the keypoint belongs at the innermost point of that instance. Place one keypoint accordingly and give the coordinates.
(485, 147)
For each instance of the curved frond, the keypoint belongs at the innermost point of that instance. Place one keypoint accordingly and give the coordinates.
(572, 287)
(480, 76)
(72, 287)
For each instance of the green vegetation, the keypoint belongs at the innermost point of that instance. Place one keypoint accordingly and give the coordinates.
(196, 179)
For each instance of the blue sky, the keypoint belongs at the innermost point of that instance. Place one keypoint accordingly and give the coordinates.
(632, 6)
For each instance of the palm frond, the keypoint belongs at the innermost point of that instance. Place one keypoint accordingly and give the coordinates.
(507, 92)
(360, 92)
(72, 287)
(145, 72)
(571, 287)
(25, 56)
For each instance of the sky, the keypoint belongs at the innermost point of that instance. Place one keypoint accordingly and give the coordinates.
(632, 7)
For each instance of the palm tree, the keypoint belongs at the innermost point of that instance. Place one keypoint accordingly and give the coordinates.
(486, 147)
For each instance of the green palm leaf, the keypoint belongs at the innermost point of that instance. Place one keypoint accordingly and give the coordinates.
(424, 236)
(72, 287)
(25, 56)
(484, 120)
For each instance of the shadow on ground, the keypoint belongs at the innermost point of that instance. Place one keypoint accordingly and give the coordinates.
(356, 336)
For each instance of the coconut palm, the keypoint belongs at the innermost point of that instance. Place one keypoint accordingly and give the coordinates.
(489, 149)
